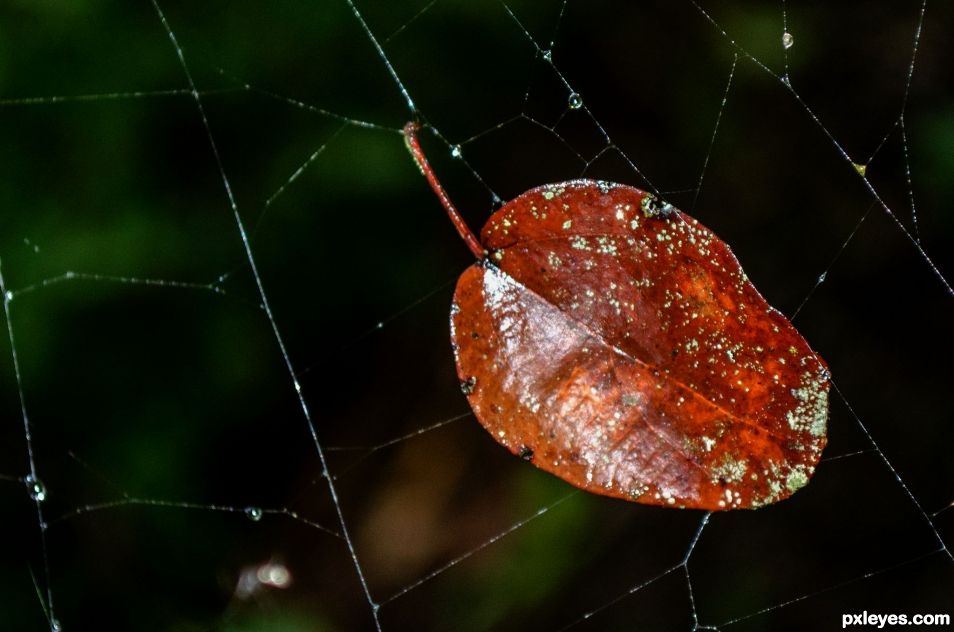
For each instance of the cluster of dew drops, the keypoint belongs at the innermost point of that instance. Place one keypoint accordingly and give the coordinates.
(35, 488)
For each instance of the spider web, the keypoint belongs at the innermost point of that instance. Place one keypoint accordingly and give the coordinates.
(230, 401)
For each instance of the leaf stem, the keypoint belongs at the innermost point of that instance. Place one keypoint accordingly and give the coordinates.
(413, 146)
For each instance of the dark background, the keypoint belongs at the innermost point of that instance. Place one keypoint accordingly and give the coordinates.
(181, 395)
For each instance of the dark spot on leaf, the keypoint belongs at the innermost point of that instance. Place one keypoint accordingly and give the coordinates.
(525, 453)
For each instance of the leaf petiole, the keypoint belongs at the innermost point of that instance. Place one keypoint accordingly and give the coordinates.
(413, 146)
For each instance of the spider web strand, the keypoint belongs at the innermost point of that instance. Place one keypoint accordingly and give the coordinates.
(271, 318)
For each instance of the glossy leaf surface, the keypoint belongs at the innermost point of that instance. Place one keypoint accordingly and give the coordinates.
(618, 344)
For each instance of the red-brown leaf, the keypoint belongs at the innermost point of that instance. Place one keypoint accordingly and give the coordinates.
(625, 351)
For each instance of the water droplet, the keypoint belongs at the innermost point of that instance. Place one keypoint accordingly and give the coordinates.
(8, 295)
(273, 574)
(36, 488)
(455, 151)
(468, 385)
(861, 169)
(55, 626)
(787, 40)
(822, 277)
(575, 101)
(548, 55)
(786, 81)
(253, 513)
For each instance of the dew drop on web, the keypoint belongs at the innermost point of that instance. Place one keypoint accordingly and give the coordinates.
(36, 488)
